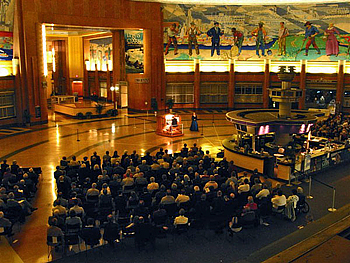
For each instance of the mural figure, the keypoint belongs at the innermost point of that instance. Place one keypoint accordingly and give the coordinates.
(215, 33)
(260, 34)
(238, 39)
(192, 33)
(310, 33)
(4, 4)
(348, 39)
(282, 34)
(172, 32)
(332, 45)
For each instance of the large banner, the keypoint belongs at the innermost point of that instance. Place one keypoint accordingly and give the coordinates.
(279, 32)
(101, 51)
(134, 51)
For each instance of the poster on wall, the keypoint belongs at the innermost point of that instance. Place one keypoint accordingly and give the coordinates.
(134, 51)
(101, 52)
(318, 32)
(6, 46)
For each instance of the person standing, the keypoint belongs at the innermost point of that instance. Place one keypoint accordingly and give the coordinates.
(172, 31)
(310, 33)
(282, 34)
(194, 124)
(332, 46)
(192, 33)
(238, 38)
(260, 34)
(215, 33)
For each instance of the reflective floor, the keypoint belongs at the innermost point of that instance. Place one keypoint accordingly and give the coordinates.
(45, 145)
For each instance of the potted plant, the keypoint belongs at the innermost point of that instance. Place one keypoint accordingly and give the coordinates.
(80, 115)
(170, 103)
(99, 108)
(88, 115)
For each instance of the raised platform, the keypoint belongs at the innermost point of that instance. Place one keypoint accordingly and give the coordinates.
(72, 109)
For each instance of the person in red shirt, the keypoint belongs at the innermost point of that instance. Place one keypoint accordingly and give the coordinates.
(238, 39)
(348, 39)
(251, 205)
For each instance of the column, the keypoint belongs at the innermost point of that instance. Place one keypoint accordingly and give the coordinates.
(302, 84)
(39, 79)
(118, 50)
(196, 84)
(231, 86)
(340, 85)
(266, 84)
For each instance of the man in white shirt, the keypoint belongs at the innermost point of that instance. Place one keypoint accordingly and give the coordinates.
(172, 31)
(182, 198)
(263, 192)
(279, 200)
(282, 34)
(181, 219)
(245, 187)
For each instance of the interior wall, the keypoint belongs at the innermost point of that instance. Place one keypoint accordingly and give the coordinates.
(117, 14)
(76, 57)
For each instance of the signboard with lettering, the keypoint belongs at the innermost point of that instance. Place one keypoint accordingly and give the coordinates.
(142, 80)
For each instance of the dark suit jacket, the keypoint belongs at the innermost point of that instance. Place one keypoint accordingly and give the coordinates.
(215, 36)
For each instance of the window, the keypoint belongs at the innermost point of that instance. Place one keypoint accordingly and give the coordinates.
(7, 105)
(213, 92)
(180, 92)
(248, 93)
(103, 89)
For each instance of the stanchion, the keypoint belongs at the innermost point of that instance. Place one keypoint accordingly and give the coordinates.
(332, 209)
(289, 184)
(78, 140)
(309, 196)
(182, 128)
(202, 130)
(296, 182)
(144, 125)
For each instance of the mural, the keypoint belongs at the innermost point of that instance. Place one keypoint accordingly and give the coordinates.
(317, 32)
(6, 46)
(101, 51)
(6, 15)
(6, 29)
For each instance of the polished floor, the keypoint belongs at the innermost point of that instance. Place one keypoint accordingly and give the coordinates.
(45, 145)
